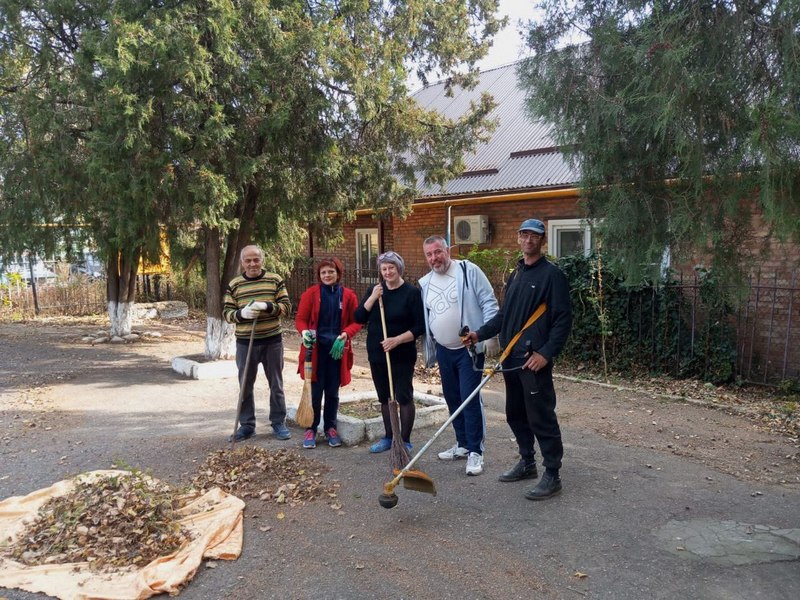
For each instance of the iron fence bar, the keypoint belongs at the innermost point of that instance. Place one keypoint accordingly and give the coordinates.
(743, 326)
(694, 311)
(653, 328)
(33, 284)
(788, 327)
(769, 331)
(753, 332)
(678, 336)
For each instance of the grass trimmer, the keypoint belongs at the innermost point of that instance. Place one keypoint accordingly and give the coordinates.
(419, 481)
(241, 384)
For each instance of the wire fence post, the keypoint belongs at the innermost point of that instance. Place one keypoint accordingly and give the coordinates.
(33, 285)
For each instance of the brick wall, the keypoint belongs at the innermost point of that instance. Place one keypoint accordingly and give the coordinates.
(768, 323)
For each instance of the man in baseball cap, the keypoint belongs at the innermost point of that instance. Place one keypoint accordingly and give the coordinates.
(528, 370)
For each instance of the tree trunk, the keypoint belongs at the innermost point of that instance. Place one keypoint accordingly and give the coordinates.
(220, 340)
(121, 289)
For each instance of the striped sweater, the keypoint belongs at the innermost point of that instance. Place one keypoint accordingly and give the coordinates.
(268, 287)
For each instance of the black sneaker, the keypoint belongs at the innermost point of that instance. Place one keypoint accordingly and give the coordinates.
(242, 434)
(522, 470)
(548, 486)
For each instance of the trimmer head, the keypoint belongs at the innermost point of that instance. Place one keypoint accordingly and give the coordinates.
(412, 480)
(388, 500)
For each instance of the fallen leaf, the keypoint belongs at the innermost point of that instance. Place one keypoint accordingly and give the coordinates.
(580, 575)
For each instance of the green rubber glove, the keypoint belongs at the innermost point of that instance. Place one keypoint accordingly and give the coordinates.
(337, 350)
(309, 337)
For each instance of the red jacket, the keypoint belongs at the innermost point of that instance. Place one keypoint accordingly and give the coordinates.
(307, 318)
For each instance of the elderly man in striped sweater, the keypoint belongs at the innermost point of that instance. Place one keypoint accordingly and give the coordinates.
(258, 295)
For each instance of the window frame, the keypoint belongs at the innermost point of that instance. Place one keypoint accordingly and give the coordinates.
(555, 226)
(360, 269)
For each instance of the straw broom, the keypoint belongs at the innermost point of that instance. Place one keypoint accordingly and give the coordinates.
(305, 411)
(398, 453)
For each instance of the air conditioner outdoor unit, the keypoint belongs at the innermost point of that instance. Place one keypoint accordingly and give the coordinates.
(473, 229)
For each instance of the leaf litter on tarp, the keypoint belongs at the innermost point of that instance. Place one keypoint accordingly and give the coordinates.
(108, 522)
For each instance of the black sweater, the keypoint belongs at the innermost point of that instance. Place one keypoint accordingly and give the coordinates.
(403, 308)
(526, 289)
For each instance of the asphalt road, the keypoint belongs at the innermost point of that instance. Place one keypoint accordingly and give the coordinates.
(631, 524)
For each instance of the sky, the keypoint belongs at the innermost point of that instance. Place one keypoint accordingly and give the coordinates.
(508, 43)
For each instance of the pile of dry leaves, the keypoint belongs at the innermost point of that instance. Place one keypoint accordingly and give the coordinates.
(111, 521)
(130, 519)
(281, 476)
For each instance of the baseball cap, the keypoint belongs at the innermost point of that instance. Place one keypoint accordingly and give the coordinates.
(534, 225)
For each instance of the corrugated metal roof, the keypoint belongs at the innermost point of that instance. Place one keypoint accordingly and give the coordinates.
(516, 132)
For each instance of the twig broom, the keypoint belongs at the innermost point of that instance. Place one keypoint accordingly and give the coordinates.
(399, 454)
(305, 411)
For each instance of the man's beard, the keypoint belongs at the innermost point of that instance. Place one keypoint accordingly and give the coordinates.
(443, 268)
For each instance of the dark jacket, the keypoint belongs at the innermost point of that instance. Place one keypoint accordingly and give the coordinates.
(308, 318)
(526, 289)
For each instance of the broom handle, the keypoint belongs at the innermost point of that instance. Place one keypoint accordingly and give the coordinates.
(241, 383)
(488, 373)
(394, 420)
(388, 360)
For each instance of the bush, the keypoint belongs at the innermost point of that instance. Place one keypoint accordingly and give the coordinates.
(653, 326)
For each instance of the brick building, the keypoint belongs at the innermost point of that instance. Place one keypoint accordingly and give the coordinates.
(519, 173)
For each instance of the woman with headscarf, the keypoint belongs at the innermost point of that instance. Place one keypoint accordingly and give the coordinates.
(405, 322)
(325, 322)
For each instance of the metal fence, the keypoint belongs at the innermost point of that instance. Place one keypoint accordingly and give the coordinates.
(72, 294)
(768, 329)
(763, 333)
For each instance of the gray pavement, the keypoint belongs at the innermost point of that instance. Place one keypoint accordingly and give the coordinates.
(631, 524)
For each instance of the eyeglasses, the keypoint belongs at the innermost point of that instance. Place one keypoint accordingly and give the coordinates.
(529, 236)
(388, 256)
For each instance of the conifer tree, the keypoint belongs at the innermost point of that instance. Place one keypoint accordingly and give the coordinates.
(683, 118)
(233, 120)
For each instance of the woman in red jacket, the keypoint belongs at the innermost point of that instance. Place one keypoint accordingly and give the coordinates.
(325, 321)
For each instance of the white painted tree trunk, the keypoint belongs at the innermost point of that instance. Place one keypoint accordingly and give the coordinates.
(120, 314)
(220, 339)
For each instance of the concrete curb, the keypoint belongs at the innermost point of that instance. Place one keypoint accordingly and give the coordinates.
(215, 369)
(354, 431)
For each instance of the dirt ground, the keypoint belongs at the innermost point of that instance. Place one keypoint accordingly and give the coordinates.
(744, 433)
(61, 412)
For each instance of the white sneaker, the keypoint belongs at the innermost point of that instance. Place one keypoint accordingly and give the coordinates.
(474, 463)
(453, 453)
